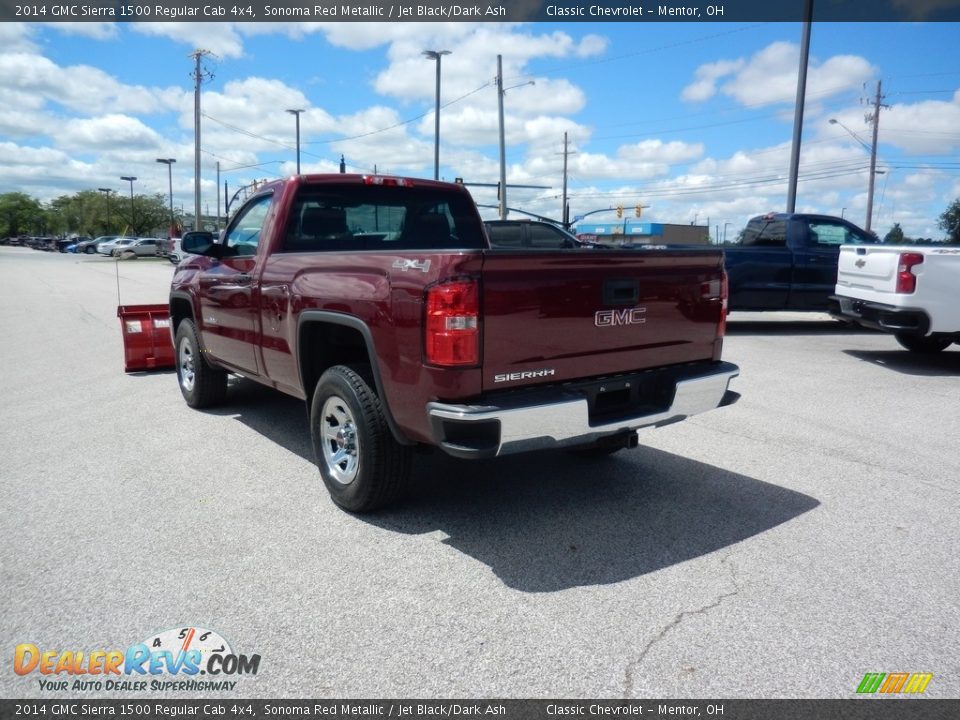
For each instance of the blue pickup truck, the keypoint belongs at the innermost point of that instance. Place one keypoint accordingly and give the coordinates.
(788, 261)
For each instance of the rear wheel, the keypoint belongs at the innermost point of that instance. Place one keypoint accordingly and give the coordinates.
(925, 345)
(201, 384)
(362, 465)
(90, 250)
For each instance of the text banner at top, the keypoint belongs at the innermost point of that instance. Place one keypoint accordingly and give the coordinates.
(505, 11)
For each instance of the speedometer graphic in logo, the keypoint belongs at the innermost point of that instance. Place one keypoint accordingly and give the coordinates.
(181, 640)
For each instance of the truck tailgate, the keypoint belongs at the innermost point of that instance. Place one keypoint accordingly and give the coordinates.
(868, 268)
(558, 316)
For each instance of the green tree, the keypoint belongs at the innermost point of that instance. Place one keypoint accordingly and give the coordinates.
(20, 214)
(93, 213)
(950, 222)
(895, 235)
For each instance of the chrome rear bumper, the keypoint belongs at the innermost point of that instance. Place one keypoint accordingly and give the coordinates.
(560, 417)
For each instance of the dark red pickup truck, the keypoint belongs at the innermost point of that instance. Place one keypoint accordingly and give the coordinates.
(380, 303)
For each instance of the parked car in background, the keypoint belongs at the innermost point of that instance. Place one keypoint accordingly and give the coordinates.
(175, 253)
(89, 247)
(69, 244)
(141, 247)
(531, 235)
(107, 248)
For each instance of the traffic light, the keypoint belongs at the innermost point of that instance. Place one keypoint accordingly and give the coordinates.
(619, 211)
(638, 210)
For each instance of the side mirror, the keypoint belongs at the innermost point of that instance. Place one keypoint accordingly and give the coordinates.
(199, 242)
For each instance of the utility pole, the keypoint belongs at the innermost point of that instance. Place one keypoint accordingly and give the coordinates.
(798, 109)
(199, 76)
(565, 210)
(875, 119)
(503, 151)
(218, 195)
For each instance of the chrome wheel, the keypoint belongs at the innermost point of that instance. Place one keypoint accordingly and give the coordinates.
(186, 365)
(340, 442)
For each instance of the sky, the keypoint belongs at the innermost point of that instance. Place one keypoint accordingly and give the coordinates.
(692, 120)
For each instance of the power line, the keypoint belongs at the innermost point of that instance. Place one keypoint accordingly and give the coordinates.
(402, 123)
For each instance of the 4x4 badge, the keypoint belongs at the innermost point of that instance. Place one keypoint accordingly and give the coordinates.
(404, 265)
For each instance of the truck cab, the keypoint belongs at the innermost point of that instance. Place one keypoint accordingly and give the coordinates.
(788, 261)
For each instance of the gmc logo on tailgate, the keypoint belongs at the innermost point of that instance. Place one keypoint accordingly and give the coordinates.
(609, 318)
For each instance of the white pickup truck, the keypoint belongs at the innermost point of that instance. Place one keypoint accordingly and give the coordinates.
(912, 292)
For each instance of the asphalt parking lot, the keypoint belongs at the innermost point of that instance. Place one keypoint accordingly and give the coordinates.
(782, 547)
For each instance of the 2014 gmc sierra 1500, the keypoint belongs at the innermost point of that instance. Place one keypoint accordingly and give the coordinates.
(380, 302)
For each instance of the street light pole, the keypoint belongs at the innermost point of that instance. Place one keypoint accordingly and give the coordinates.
(130, 179)
(169, 163)
(436, 55)
(503, 150)
(107, 191)
(296, 114)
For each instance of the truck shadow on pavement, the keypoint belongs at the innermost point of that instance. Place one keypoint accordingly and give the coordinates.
(550, 521)
(942, 364)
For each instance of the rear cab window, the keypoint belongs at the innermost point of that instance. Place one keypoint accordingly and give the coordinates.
(761, 232)
(327, 218)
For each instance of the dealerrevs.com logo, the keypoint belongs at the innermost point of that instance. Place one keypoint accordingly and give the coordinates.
(894, 683)
(172, 660)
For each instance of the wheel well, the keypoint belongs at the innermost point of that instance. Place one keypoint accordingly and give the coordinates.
(323, 345)
(180, 309)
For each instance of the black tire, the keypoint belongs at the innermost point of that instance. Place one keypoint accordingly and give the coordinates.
(362, 465)
(201, 384)
(90, 250)
(925, 345)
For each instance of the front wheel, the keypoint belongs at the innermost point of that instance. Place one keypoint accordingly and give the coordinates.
(90, 250)
(362, 465)
(201, 384)
(925, 345)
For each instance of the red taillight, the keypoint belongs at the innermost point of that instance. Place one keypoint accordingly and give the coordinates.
(452, 324)
(724, 294)
(717, 290)
(906, 280)
(387, 181)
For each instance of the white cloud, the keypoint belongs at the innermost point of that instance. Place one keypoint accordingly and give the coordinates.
(93, 30)
(770, 76)
(111, 133)
(79, 88)
(222, 39)
(705, 85)
(15, 37)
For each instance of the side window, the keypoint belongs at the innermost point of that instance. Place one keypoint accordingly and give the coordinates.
(772, 233)
(829, 234)
(546, 237)
(243, 237)
(505, 235)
